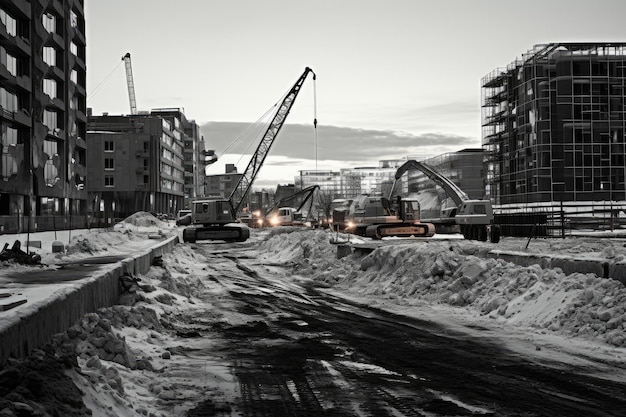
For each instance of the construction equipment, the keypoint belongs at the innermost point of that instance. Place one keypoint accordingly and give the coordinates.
(377, 217)
(214, 218)
(282, 215)
(474, 217)
(130, 83)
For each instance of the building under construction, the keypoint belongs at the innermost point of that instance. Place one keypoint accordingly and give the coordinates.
(554, 125)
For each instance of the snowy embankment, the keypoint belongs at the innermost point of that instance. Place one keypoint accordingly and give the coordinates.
(449, 273)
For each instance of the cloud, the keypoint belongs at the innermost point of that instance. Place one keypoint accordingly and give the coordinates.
(334, 143)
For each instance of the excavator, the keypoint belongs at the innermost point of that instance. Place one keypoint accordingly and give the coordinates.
(474, 217)
(282, 215)
(216, 218)
(378, 217)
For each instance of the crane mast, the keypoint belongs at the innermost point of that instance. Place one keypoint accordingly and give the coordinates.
(130, 83)
(238, 195)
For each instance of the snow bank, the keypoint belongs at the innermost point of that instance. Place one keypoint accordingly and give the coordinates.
(450, 273)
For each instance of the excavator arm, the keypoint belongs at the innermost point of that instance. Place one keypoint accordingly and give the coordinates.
(453, 190)
(307, 192)
(239, 193)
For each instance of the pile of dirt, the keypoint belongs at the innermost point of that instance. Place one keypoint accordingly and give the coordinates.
(144, 219)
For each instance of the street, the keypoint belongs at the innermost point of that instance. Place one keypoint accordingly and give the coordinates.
(302, 351)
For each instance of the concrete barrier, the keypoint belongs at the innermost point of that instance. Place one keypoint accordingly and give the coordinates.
(601, 267)
(23, 332)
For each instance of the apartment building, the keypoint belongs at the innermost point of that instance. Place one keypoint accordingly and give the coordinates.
(43, 118)
(188, 132)
(136, 163)
(554, 125)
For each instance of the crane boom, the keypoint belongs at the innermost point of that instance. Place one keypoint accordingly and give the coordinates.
(238, 195)
(130, 83)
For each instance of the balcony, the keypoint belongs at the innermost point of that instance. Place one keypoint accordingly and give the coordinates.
(57, 133)
(81, 116)
(22, 6)
(23, 117)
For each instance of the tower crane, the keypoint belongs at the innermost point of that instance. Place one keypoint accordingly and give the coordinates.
(214, 218)
(130, 83)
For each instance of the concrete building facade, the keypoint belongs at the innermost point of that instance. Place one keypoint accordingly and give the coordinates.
(136, 163)
(188, 132)
(43, 118)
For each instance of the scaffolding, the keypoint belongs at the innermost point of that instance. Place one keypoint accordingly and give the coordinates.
(554, 126)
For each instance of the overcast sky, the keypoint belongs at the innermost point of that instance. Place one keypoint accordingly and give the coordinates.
(395, 78)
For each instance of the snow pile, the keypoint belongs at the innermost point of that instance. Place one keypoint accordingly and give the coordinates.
(450, 273)
(143, 219)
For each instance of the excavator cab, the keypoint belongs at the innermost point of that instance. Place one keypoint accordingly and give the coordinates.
(211, 211)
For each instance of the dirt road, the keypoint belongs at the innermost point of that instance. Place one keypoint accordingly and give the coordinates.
(304, 352)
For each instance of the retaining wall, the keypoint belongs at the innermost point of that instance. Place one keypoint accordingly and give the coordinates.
(604, 268)
(34, 327)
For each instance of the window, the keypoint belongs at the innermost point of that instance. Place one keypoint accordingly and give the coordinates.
(50, 120)
(49, 22)
(9, 61)
(109, 181)
(49, 56)
(109, 163)
(50, 87)
(73, 19)
(8, 100)
(10, 142)
(9, 22)
(51, 172)
(73, 49)
(108, 146)
(74, 76)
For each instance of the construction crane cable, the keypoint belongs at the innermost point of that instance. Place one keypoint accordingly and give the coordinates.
(249, 128)
(259, 126)
(315, 116)
(99, 86)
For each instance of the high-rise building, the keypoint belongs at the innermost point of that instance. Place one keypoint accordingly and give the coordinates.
(43, 118)
(554, 125)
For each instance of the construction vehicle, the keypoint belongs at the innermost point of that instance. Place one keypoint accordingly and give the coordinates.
(474, 217)
(282, 215)
(378, 217)
(216, 218)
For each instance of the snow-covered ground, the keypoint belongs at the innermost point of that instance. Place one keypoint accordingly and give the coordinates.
(535, 311)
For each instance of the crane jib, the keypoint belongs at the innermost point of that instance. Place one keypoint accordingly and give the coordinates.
(240, 191)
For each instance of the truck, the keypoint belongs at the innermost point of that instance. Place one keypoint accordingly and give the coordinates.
(474, 217)
(216, 218)
(282, 215)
